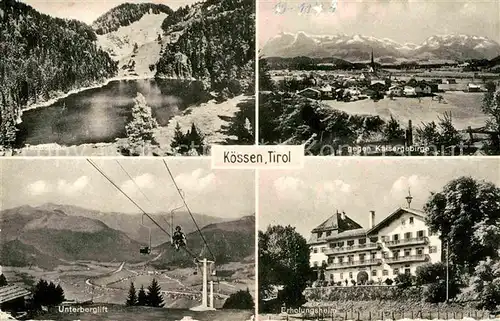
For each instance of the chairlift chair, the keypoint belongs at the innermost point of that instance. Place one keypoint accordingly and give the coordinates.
(146, 249)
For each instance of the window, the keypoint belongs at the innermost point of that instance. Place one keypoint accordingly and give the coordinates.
(420, 251)
(385, 272)
(328, 233)
(408, 236)
(395, 237)
(385, 255)
(407, 252)
(403, 222)
(330, 260)
(362, 257)
(340, 244)
(350, 275)
(374, 273)
(320, 235)
(374, 239)
(362, 241)
(420, 234)
(374, 255)
(350, 243)
(341, 275)
(395, 254)
(383, 238)
(315, 250)
(432, 249)
(396, 271)
(411, 220)
(323, 249)
(350, 258)
(332, 245)
(331, 277)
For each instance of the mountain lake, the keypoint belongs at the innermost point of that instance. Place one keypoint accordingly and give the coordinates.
(99, 115)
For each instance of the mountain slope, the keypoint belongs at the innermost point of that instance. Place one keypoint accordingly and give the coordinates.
(41, 57)
(359, 47)
(231, 241)
(28, 233)
(131, 34)
(213, 41)
(126, 14)
(130, 224)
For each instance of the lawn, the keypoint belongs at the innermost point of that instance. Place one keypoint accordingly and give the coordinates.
(465, 109)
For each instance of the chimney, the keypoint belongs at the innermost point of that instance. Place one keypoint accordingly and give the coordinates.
(372, 219)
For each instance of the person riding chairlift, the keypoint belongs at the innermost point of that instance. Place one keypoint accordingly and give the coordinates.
(179, 238)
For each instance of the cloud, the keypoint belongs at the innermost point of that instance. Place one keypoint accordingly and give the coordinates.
(418, 186)
(196, 182)
(289, 187)
(39, 188)
(332, 192)
(143, 181)
(72, 188)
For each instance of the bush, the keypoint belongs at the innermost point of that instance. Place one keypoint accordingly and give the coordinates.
(353, 282)
(339, 283)
(404, 281)
(388, 281)
(240, 300)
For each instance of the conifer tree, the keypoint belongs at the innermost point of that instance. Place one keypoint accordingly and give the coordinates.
(132, 295)
(154, 297)
(142, 298)
(3, 280)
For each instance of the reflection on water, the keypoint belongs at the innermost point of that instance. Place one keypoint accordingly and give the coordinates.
(99, 115)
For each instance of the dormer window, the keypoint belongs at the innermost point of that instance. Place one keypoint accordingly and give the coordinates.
(320, 235)
(328, 233)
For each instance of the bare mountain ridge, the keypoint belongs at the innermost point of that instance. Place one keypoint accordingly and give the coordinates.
(130, 224)
(35, 236)
(359, 47)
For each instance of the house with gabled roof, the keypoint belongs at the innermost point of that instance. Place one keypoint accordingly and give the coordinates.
(399, 243)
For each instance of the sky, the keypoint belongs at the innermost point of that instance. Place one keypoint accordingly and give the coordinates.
(400, 20)
(89, 10)
(220, 193)
(306, 198)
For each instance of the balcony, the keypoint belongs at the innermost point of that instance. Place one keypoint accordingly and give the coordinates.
(360, 263)
(406, 242)
(408, 259)
(353, 248)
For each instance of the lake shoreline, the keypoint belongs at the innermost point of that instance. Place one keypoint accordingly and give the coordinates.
(100, 84)
(206, 116)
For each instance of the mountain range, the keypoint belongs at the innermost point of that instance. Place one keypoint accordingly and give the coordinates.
(51, 234)
(359, 48)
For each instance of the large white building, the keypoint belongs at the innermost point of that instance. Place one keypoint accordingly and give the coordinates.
(397, 244)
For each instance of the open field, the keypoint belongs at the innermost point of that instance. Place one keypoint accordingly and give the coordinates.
(465, 109)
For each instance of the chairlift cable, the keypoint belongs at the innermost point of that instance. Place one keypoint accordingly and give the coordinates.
(187, 207)
(135, 203)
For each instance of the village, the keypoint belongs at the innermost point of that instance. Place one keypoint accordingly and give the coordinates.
(375, 83)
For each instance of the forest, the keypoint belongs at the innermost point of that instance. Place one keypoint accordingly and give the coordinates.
(126, 14)
(218, 40)
(41, 56)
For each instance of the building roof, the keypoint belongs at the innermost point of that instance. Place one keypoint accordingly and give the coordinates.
(12, 292)
(339, 222)
(394, 215)
(348, 233)
(309, 89)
